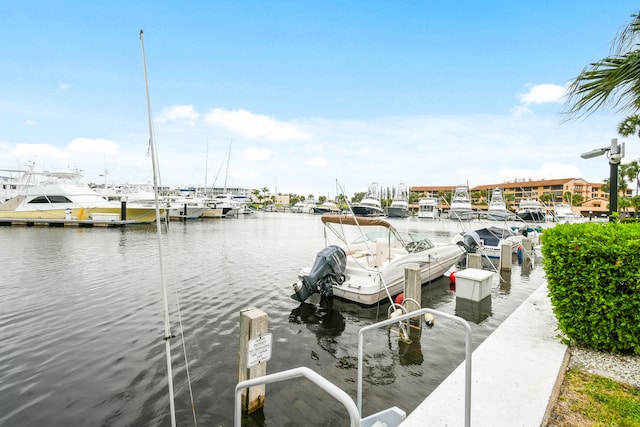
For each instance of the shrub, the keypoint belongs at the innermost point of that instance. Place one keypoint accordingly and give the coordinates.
(593, 273)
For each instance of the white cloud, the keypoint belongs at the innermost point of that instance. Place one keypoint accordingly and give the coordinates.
(30, 123)
(178, 113)
(26, 151)
(417, 150)
(317, 162)
(543, 94)
(63, 86)
(551, 170)
(256, 154)
(92, 146)
(258, 126)
(520, 110)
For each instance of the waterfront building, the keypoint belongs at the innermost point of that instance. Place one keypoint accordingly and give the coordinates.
(595, 201)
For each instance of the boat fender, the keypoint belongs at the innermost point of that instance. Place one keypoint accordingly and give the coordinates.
(400, 299)
(452, 277)
(429, 320)
(395, 313)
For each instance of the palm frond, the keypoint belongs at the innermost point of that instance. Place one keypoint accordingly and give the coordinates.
(614, 80)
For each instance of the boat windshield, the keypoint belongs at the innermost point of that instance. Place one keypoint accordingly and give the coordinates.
(348, 237)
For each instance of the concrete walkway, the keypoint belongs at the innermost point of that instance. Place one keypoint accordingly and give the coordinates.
(516, 372)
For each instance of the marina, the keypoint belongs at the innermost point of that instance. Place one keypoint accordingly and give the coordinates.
(82, 321)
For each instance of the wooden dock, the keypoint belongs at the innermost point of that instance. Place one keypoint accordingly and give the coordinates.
(61, 222)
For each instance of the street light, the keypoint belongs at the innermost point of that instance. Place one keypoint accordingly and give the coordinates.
(616, 153)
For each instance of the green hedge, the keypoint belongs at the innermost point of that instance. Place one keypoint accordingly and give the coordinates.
(593, 273)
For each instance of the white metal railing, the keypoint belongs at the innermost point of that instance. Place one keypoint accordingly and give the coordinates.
(467, 382)
(355, 410)
(333, 390)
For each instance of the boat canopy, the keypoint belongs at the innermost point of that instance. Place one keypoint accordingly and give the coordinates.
(350, 220)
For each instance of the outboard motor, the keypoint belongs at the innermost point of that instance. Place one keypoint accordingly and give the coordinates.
(326, 271)
(470, 241)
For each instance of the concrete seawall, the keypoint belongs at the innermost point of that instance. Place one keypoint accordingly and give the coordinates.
(516, 373)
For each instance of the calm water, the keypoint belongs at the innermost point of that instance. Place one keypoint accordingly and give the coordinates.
(81, 322)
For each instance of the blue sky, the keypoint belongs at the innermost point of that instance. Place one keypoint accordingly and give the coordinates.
(309, 94)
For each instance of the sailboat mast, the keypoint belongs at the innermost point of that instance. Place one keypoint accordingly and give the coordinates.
(206, 169)
(154, 160)
(227, 171)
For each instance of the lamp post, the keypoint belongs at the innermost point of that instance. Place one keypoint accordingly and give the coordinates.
(615, 154)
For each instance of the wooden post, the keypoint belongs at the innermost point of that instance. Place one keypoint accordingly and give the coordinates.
(474, 261)
(527, 249)
(505, 257)
(253, 326)
(413, 291)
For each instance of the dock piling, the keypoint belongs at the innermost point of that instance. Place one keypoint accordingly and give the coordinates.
(253, 352)
(505, 257)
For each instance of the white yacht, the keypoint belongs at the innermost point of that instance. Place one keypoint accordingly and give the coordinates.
(428, 208)
(305, 206)
(461, 208)
(399, 207)
(370, 204)
(497, 209)
(563, 213)
(72, 201)
(530, 210)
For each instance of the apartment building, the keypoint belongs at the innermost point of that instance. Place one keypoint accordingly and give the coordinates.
(594, 199)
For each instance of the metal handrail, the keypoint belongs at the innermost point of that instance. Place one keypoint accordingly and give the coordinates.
(314, 377)
(467, 379)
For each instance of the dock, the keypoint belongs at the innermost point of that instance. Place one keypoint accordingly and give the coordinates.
(62, 222)
(517, 372)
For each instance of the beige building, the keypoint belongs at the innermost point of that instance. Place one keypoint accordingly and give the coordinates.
(595, 200)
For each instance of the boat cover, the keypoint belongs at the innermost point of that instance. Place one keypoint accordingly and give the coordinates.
(350, 220)
(492, 235)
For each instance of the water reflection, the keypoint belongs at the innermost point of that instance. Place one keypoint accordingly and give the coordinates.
(505, 282)
(473, 311)
(324, 321)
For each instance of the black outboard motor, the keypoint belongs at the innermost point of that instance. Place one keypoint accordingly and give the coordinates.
(326, 271)
(470, 241)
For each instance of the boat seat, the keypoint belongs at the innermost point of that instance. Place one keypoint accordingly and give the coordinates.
(381, 251)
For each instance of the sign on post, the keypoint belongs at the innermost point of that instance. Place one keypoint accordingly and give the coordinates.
(259, 350)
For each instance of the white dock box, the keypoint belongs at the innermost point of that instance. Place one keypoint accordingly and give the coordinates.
(105, 217)
(473, 283)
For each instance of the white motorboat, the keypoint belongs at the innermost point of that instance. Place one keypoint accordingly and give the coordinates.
(72, 201)
(185, 207)
(231, 204)
(428, 208)
(530, 210)
(304, 206)
(399, 207)
(497, 209)
(364, 260)
(488, 241)
(563, 213)
(461, 208)
(326, 208)
(370, 205)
